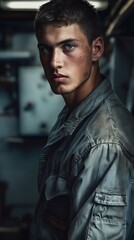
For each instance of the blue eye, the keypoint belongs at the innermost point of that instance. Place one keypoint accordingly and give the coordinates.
(69, 46)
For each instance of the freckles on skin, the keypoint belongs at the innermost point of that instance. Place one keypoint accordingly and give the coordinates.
(80, 60)
(80, 56)
(76, 65)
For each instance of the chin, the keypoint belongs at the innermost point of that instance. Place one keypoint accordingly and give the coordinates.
(59, 91)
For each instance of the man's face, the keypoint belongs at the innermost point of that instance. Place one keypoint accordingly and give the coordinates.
(66, 57)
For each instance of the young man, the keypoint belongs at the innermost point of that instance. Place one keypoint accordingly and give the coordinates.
(86, 173)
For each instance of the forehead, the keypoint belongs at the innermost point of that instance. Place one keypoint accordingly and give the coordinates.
(53, 33)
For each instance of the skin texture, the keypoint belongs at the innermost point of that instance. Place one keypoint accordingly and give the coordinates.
(70, 62)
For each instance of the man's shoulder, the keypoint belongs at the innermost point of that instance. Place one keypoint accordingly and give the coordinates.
(112, 123)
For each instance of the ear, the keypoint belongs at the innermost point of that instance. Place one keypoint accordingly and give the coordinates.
(97, 49)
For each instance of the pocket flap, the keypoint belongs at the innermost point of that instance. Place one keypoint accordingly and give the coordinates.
(55, 186)
(110, 199)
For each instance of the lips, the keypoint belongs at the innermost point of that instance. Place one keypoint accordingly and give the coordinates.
(59, 77)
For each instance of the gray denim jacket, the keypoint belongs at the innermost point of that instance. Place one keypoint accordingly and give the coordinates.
(86, 173)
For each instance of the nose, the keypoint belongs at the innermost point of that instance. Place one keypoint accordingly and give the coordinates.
(56, 59)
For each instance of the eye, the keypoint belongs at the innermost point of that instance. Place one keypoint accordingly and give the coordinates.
(44, 49)
(69, 47)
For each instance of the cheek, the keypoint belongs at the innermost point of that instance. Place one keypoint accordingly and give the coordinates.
(78, 59)
(82, 57)
(44, 63)
(42, 59)
(81, 65)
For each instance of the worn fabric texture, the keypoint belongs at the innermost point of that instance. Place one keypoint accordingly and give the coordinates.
(86, 173)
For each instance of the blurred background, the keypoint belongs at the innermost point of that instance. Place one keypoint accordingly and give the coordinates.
(28, 108)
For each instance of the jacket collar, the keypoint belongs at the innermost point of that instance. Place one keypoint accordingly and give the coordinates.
(66, 125)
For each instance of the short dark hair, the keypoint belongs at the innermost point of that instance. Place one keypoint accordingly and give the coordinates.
(67, 12)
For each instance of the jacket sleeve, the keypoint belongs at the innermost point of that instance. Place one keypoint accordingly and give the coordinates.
(100, 194)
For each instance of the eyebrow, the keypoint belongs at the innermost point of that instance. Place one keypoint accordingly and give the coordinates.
(58, 43)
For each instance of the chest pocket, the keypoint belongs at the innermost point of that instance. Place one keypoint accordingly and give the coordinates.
(56, 207)
(109, 207)
(108, 217)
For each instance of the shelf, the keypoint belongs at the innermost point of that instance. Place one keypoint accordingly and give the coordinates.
(7, 55)
(7, 81)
